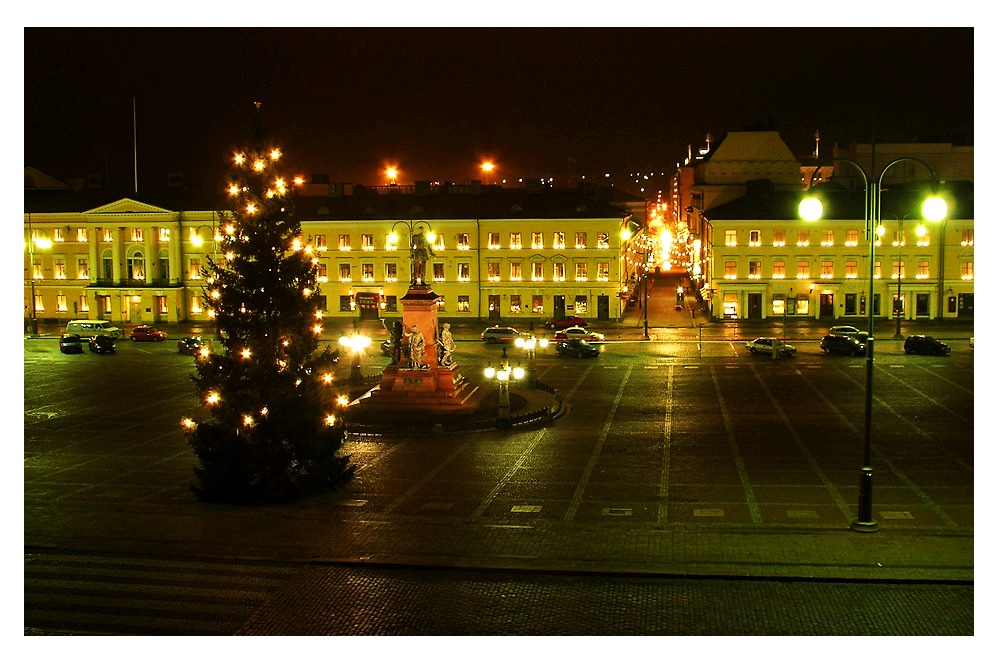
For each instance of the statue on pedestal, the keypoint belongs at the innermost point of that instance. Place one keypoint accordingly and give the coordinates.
(447, 344)
(420, 252)
(417, 348)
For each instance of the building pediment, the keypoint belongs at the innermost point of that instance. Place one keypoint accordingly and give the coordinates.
(127, 206)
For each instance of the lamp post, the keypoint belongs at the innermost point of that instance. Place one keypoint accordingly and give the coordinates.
(410, 224)
(357, 344)
(897, 307)
(529, 345)
(626, 234)
(502, 375)
(811, 209)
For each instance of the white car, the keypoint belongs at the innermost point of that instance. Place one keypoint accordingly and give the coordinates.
(848, 330)
(579, 332)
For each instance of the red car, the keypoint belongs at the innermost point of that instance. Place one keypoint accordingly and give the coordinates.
(566, 322)
(144, 332)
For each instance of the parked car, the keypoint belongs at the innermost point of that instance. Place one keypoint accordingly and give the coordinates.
(842, 344)
(925, 345)
(577, 347)
(579, 332)
(848, 330)
(766, 346)
(191, 345)
(498, 334)
(102, 344)
(70, 344)
(566, 322)
(144, 332)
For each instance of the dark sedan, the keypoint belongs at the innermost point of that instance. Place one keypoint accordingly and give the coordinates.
(577, 347)
(191, 345)
(102, 344)
(925, 345)
(71, 344)
(842, 344)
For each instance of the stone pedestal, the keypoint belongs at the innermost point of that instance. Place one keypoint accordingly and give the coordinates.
(429, 387)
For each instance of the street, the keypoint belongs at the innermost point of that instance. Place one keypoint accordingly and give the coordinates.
(671, 464)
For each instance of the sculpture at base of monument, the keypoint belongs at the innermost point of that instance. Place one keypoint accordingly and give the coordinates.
(420, 252)
(447, 344)
(415, 339)
(396, 343)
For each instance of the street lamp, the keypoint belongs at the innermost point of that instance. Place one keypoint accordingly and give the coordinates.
(900, 240)
(357, 345)
(626, 234)
(811, 209)
(503, 375)
(529, 345)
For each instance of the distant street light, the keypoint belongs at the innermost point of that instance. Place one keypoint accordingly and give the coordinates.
(503, 375)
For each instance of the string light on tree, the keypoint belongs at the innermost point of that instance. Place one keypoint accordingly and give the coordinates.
(267, 434)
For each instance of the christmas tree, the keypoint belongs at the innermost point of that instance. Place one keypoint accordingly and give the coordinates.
(269, 432)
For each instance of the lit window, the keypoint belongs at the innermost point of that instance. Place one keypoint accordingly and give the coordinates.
(967, 238)
(463, 241)
(537, 242)
(344, 270)
(923, 269)
(515, 303)
(36, 269)
(82, 268)
(558, 240)
(84, 304)
(778, 269)
(39, 303)
(493, 271)
(730, 237)
(967, 270)
(851, 269)
(463, 305)
(81, 235)
(515, 271)
(58, 235)
(164, 234)
(59, 267)
(537, 305)
(803, 239)
(194, 268)
(581, 240)
(537, 272)
(603, 271)
(107, 235)
(161, 304)
(367, 242)
(61, 303)
(778, 239)
(898, 238)
(390, 273)
(368, 272)
(826, 269)
(581, 271)
(878, 269)
(755, 269)
(321, 272)
(515, 240)
(319, 241)
(136, 234)
(826, 237)
(803, 270)
(344, 242)
(494, 241)
(730, 271)
(602, 241)
(754, 238)
(851, 238)
(438, 272)
(559, 271)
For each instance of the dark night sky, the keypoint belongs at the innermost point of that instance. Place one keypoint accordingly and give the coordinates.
(346, 101)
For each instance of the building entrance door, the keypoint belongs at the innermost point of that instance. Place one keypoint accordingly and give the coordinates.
(494, 301)
(754, 306)
(826, 305)
(603, 307)
(558, 306)
(367, 305)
